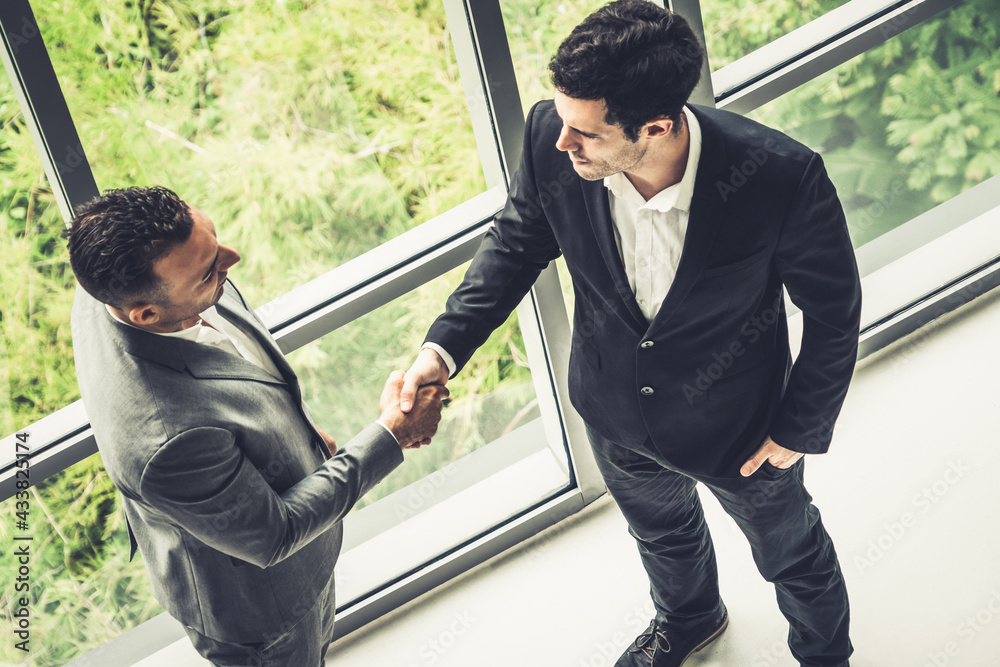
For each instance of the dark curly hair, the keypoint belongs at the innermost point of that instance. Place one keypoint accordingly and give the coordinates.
(115, 239)
(642, 60)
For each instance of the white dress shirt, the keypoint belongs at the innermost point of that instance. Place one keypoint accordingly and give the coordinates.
(223, 334)
(650, 234)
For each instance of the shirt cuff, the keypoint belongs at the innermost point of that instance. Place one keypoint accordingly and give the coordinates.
(449, 362)
(380, 423)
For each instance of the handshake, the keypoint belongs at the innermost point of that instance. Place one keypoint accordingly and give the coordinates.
(411, 402)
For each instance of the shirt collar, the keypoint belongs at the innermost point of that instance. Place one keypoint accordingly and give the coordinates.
(195, 333)
(677, 196)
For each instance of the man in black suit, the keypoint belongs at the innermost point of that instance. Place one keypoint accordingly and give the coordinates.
(680, 226)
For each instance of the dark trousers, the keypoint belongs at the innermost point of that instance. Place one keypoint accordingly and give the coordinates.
(303, 645)
(791, 548)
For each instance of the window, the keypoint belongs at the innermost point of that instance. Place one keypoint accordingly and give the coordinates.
(489, 462)
(36, 361)
(534, 31)
(310, 159)
(907, 125)
(344, 371)
(84, 591)
(337, 146)
(310, 132)
(734, 28)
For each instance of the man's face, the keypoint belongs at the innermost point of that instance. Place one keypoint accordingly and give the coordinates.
(596, 149)
(193, 274)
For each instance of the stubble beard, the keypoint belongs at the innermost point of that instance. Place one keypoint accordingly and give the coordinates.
(624, 160)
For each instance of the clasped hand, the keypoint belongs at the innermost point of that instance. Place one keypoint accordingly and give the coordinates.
(415, 426)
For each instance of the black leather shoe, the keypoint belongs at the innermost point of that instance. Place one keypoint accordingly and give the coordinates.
(658, 647)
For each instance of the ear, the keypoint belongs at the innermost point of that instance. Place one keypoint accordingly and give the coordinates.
(659, 127)
(144, 314)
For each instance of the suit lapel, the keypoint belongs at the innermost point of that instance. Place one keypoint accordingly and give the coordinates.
(595, 196)
(232, 309)
(704, 219)
(202, 361)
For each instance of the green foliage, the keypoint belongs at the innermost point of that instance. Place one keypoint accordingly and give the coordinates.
(35, 354)
(734, 28)
(908, 125)
(311, 131)
(534, 32)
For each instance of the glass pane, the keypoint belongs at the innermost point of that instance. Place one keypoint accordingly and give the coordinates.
(907, 125)
(734, 28)
(83, 591)
(310, 132)
(534, 31)
(489, 460)
(37, 376)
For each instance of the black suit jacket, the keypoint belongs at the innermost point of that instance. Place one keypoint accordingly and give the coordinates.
(711, 376)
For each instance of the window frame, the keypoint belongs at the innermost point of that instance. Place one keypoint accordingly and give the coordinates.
(446, 241)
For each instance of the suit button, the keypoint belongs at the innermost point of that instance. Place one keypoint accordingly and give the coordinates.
(646, 391)
(646, 344)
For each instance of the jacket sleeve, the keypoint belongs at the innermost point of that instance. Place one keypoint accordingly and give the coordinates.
(815, 260)
(202, 480)
(515, 250)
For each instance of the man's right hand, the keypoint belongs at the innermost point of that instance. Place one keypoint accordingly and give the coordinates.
(415, 427)
(429, 368)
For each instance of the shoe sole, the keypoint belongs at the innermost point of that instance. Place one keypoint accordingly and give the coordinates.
(711, 638)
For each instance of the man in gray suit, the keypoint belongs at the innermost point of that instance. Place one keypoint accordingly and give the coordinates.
(231, 492)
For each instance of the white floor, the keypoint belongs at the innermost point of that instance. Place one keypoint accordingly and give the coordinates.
(909, 494)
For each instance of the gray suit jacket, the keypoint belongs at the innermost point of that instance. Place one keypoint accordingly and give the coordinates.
(227, 486)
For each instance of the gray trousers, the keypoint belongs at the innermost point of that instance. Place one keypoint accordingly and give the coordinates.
(304, 645)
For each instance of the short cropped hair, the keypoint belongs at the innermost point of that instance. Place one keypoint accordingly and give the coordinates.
(642, 60)
(115, 239)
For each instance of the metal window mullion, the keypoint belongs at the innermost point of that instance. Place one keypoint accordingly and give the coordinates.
(162, 630)
(394, 258)
(780, 78)
(799, 42)
(64, 438)
(546, 331)
(703, 93)
(542, 314)
(487, 71)
(928, 308)
(926, 227)
(44, 107)
(500, 81)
